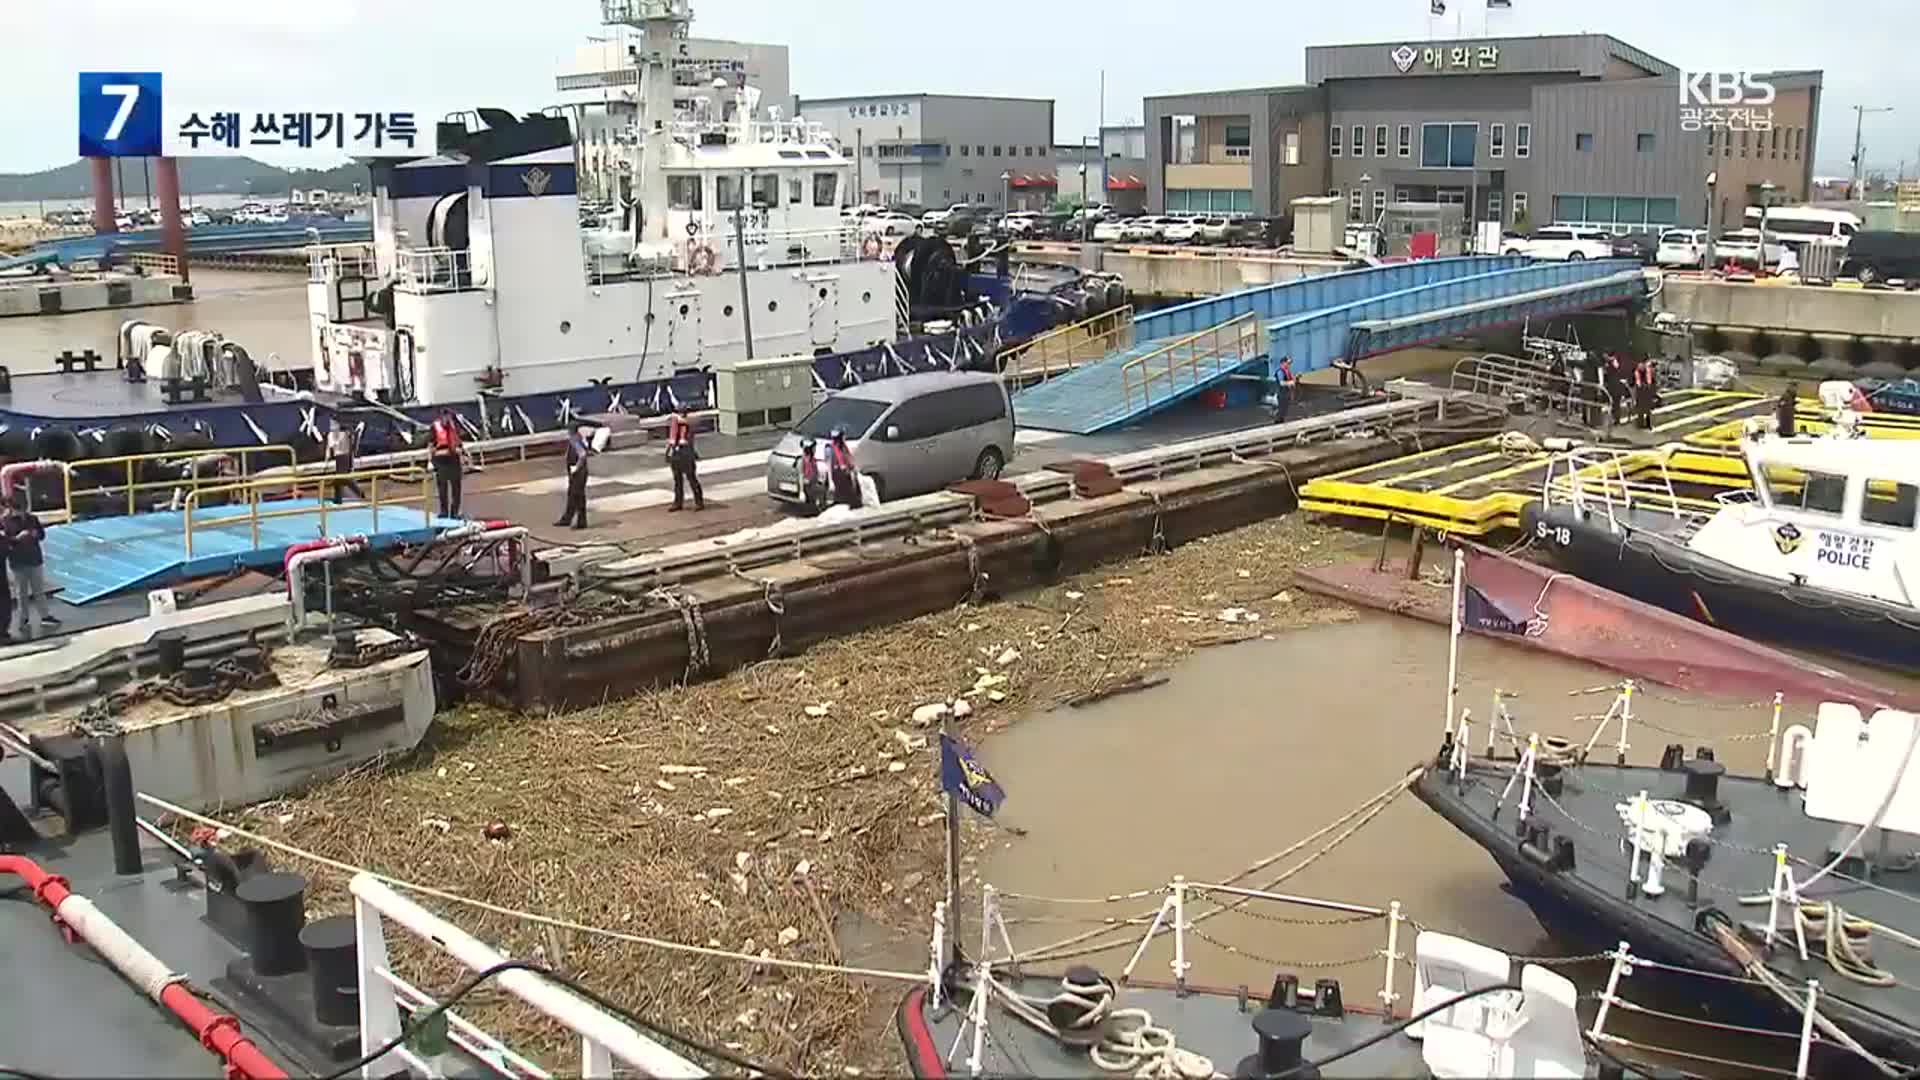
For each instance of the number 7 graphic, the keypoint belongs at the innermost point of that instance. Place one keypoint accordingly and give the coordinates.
(129, 95)
(120, 114)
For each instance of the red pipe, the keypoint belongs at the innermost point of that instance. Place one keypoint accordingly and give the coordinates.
(103, 212)
(173, 236)
(217, 1032)
(286, 561)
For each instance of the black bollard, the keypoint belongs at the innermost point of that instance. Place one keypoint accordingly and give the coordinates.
(276, 909)
(122, 817)
(333, 963)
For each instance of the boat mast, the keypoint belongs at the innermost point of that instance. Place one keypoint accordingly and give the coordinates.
(662, 24)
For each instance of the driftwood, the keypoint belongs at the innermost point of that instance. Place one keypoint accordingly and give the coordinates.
(1128, 685)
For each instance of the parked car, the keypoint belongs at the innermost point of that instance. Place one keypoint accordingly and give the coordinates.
(1147, 228)
(1639, 247)
(1681, 247)
(1022, 222)
(1180, 230)
(1214, 230)
(935, 218)
(1882, 256)
(889, 223)
(911, 434)
(1742, 248)
(1561, 242)
(1110, 230)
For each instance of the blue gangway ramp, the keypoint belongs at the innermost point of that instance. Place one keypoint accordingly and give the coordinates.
(97, 557)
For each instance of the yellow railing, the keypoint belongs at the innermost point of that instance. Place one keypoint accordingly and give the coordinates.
(1190, 360)
(405, 484)
(1067, 347)
(250, 460)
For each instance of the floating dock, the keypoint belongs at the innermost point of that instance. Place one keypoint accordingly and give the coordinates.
(1479, 487)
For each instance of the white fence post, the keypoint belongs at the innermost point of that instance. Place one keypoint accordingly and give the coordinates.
(379, 1013)
(1388, 995)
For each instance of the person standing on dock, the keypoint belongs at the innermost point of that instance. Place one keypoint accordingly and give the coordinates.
(340, 449)
(23, 533)
(684, 460)
(1783, 411)
(813, 489)
(1283, 394)
(443, 442)
(1646, 393)
(1617, 375)
(578, 450)
(6, 592)
(840, 470)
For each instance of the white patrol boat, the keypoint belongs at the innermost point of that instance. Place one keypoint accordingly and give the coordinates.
(1821, 552)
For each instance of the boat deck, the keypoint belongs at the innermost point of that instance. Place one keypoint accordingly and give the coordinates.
(1476, 488)
(1596, 900)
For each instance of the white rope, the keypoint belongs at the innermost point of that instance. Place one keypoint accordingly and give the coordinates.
(534, 917)
(1117, 1040)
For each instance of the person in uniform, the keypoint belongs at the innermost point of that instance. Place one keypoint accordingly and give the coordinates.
(1283, 394)
(574, 514)
(340, 449)
(1646, 393)
(443, 442)
(684, 461)
(841, 472)
(1783, 411)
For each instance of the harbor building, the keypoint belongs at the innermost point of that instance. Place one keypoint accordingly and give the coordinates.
(601, 86)
(935, 150)
(1123, 173)
(1565, 129)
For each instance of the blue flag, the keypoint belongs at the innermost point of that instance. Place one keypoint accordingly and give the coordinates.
(965, 779)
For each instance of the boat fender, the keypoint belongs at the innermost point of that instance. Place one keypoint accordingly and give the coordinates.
(1795, 742)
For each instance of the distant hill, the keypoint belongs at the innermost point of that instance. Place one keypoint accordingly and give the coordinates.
(198, 176)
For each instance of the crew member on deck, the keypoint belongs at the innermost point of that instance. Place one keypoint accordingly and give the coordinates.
(1617, 376)
(846, 482)
(23, 533)
(1283, 394)
(684, 460)
(578, 450)
(813, 488)
(1783, 410)
(340, 449)
(1646, 392)
(443, 440)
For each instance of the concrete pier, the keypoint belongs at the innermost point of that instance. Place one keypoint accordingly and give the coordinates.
(88, 292)
(1172, 271)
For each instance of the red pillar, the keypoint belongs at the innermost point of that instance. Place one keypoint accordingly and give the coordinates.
(103, 195)
(172, 236)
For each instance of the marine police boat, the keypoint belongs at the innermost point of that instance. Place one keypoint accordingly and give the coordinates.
(486, 291)
(1821, 552)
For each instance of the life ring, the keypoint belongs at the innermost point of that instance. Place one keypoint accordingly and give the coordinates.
(870, 247)
(693, 228)
(702, 260)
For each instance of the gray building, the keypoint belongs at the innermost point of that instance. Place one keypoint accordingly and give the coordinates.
(1578, 129)
(934, 150)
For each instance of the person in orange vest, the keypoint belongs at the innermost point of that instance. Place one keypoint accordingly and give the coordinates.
(846, 482)
(813, 491)
(1646, 392)
(1283, 395)
(683, 460)
(443, 441)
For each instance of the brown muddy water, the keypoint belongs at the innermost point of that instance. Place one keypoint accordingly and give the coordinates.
(1252, 747)
(266, 312)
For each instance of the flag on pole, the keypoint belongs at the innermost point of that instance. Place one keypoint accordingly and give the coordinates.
(966, 779)
(1437, 7)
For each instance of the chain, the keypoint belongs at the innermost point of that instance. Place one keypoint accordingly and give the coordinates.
(369, 655)
(493, 647)
(1704, 737)
(1157, 543)
(698, 659)
(974, 578)
(101, 718)
(776, 604)
(1290, 920)
(1364, 958)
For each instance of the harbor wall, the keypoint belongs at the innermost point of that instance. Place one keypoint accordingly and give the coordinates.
(47, 296)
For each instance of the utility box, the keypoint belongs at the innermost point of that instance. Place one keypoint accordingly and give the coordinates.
(1319, 224)
(762, 395)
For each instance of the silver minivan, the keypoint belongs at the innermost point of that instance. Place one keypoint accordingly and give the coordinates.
(911, 434)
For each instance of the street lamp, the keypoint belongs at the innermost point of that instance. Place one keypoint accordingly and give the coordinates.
(1086, 215)
(1706, 254)
(1767, 188)
(1006, 190)
(1859, 115)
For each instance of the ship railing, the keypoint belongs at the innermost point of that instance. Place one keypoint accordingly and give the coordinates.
(1064, 348)
(768, 248)
(125, 482)
(1613, 482)
(390, 1005)
(333, 262)
(797, 130)
(275, 498)
(1806, 997)
(1506, 379)
(1183, 905)
(1188, 361)
(433, 269)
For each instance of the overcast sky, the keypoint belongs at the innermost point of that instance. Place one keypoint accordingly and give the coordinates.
(441, 55)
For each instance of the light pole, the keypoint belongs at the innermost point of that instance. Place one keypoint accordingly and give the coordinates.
(1767, 188)
(1006, 190)
(1086, 216)
(1706, 252)
(1859, 115)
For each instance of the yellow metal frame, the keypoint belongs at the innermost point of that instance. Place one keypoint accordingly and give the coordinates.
(1066, 347)
(1244, 335)
(249, 461)
(253, 490)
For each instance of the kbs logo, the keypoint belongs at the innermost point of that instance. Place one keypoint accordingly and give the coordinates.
(1724, 88)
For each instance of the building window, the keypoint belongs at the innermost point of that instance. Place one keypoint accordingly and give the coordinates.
(964, 148)
(1643, 142)
(1239, 140)
(1333, 192)
(766, 191)
(1583, 141)
(1493, 206)
(1293, 148)
(1359, 140)
(796, 191)
(1522, 140)
(727, 192)
(979, 151)
(1333, 140)
(1355, 201)
(868, 151)
(1380, 140)
(1448, 146)
(1497, 141)
(1773, 138)
(1406, 140)
(996, 152)
(1204, 201)
(1619, 212)
(1379, 201)
(826, 188)
(1519, 206)
(1890, 503)
(1743, 143)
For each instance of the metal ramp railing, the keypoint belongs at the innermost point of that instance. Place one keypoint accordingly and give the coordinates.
(1066, 347)
(1184, 364)
(1527, 382)
(1608, 481)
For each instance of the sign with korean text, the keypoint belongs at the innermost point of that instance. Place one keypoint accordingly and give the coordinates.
(1844, 550)
(127, 114)
(1730, 100)
(1433, 59)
